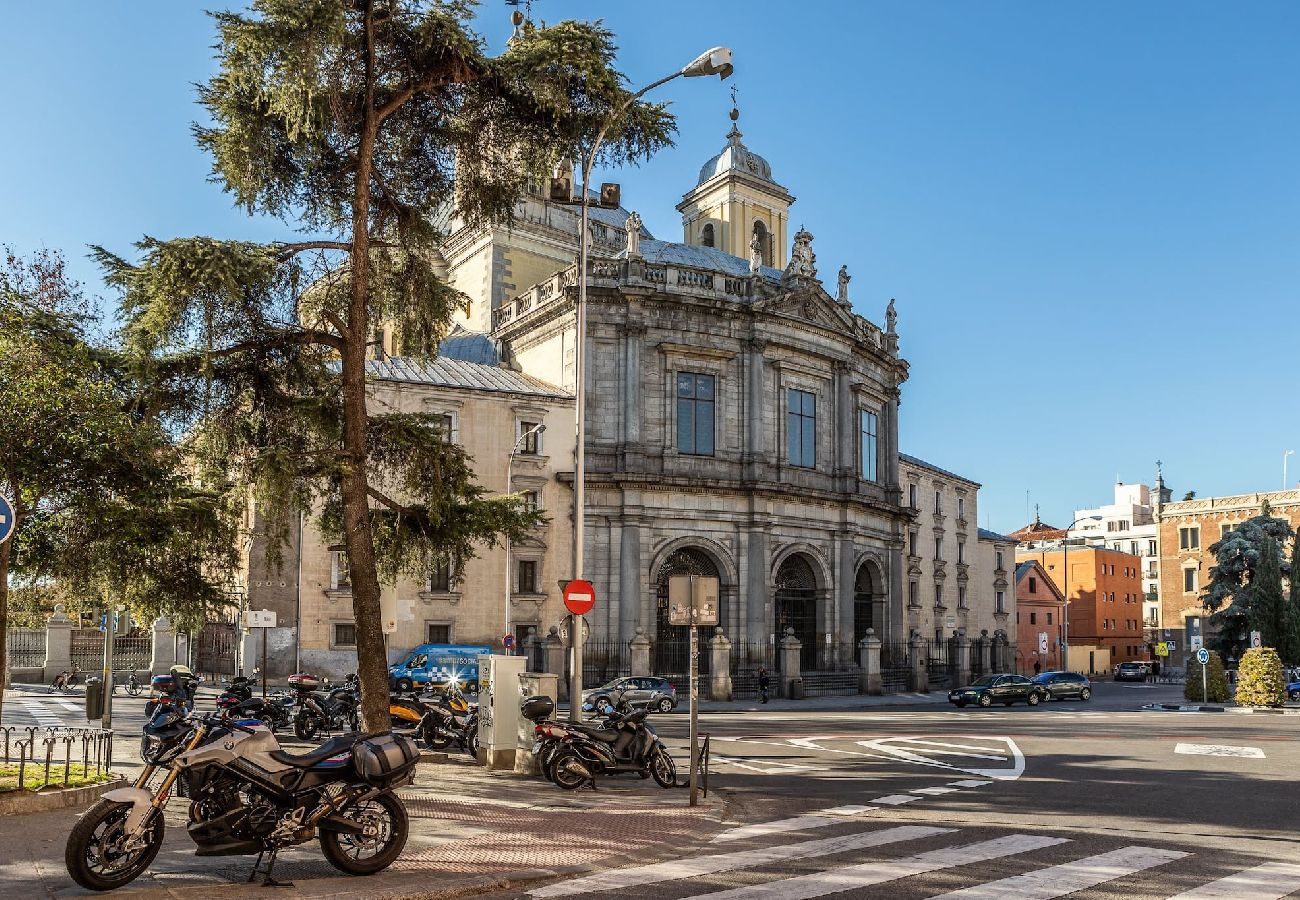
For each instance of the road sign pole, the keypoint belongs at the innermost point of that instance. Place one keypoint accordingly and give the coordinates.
(1205, 682)
(110, 626)
(575, 671)
(695, 712)
(264, 630)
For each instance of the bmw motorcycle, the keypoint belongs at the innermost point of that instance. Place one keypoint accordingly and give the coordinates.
(248, 796)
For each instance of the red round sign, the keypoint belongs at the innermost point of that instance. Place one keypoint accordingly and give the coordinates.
(579, 597)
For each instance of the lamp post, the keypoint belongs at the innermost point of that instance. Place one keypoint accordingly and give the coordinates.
(1065, 564)
(510, 463)
(1284, 456)
(712, 62)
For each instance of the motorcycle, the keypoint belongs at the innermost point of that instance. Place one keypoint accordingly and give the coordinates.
(626, 743)
(175, 689)
(275, 711)
(332, 710)
(445, 718)
(551, 733)
(248, 796)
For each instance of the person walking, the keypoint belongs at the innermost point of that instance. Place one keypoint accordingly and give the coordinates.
(763, 684)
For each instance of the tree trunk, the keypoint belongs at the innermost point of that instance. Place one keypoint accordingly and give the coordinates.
(6, 549)
(372, 661)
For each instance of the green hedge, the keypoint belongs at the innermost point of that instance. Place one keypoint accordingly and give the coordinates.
(1217, 682)
(1260, 680)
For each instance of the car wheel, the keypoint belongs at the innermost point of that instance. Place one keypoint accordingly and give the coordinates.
(1085, 695)
(665, 705)
(403, 685)
(1295, 695)
(1033, 699)
(986, 701)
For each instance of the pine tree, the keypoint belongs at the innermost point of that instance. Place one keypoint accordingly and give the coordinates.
(1228, 596)
(1289, 646)
(360, 123)
(1267, 607)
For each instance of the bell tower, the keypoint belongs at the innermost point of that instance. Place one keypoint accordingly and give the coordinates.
(736, 199)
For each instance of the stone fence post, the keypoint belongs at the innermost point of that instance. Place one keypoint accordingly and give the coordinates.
(639, 649)
(791, 647)
(553, 653)
(720, 680)
(869, 659)
(164, 646)
(980, 653)
(961, 658)
(918, 651)
(1001, 654)
(58, 643)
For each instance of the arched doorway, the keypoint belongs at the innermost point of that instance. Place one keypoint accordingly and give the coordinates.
(865, 589)
(796, 606)
(672, 642)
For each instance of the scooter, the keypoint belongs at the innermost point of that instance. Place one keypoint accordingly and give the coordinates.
(627, 743)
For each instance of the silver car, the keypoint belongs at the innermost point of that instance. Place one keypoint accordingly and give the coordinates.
(648, 691)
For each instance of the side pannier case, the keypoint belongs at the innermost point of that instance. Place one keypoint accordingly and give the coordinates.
(385, 760)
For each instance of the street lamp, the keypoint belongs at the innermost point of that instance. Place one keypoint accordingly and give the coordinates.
(1284, 456)
(510, 462)
(1065, 564)
(716, 61)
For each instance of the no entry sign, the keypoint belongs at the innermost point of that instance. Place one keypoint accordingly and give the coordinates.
(579, 597)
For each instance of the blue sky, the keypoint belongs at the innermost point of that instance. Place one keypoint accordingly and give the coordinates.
(1088, 213)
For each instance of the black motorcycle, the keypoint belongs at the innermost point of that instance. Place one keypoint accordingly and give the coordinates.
(275, 711)
(625, 743)
(175, 689)
(248, 796)
(442, 719)
(335, 709)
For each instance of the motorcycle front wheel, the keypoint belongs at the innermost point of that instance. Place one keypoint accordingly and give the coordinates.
(663, 768)
(385, 825)
(306, 726)
(94, 854)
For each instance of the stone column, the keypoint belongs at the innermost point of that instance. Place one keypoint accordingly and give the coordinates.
(754, 431)
(869, 659)
(58, 643)
(896, 628)
(961, 658)
(755, 589)
(629, 579)
(632, 383)
(790, 649)
(639, 648)
(1000, 652)
(918, 652)
(985, 652)
(553, 652)
(164, 646)
(720, 680)
(844, 627)
(533, 650)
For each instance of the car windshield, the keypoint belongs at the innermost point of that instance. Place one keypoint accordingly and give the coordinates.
(1044, 678)
(985, 681)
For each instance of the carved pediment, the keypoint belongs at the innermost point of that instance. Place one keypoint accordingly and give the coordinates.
(811, 303)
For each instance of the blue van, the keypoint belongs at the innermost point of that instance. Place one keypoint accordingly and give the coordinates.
(431, 664)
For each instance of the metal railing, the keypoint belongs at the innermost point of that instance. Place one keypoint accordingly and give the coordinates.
(26, 647)
(36, 748)
(603, 661)
(746, 660)
(132, 651)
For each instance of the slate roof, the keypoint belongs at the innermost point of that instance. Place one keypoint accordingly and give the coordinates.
(469, 346)
(986, 535)
(710, 258)
(457, 373)
(916, 461)
(1022, 568)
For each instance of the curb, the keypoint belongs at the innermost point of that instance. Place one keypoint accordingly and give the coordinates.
(1238, 710)
(20, 803)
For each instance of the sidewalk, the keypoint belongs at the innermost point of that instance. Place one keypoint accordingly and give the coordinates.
(471, 831)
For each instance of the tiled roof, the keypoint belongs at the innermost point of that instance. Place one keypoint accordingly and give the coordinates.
(986, 535)
(700, 258)
(457, 373)
(903, 457)
(1038, 531)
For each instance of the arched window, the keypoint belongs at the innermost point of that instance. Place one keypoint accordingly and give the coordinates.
(764, 241)
(864, 595)
(672, 642)
(796, 606)
(706, 235)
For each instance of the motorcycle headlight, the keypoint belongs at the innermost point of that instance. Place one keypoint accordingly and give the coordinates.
(151, 747)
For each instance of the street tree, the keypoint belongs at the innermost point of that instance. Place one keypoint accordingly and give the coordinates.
(1289, 647)
(1229, 597)
(360, 123)
(1266, 607)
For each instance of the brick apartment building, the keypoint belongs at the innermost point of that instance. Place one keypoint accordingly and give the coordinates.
(1040, 610)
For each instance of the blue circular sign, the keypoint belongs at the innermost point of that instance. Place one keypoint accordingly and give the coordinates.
(6, 518)
(1202, 656)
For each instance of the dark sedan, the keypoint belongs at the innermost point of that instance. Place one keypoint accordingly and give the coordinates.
(1005, 689)
(1063, 685)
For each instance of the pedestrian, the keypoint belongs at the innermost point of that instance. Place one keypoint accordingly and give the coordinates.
(1038, 667)
(763, 683)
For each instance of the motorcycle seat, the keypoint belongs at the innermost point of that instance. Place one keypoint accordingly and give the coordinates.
(333, 747)
(605, 735)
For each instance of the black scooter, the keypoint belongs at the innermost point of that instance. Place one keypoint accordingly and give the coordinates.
(624, 744)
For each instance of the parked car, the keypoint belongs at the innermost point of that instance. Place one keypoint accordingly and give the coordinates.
(652, 693)
(1062, 685)
(1293, 690)
(1004, 688)
(1131, 671)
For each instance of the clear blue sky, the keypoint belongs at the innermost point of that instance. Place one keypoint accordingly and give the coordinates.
(1089, 213)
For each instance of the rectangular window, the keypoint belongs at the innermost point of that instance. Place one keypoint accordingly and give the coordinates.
(1033, 585)
(1189, 538)
(1049, 618)
(998, 556)
(801, 428)
(938, 548)
(913, 594)
(961, 597)
(345, 634)
(437, 634)
(961, 551)
(1033, 618)
(1000, 603)
(938, 501)
(1133, 547)
(1189, 581)
(961, 507)
(527, 581)
(532, 444)
(938, 595)
(532, 500)
(911, 544)
(1151, 548)
(340, 578)
(870, 433)
(440, 577)
(695, 399)
(911, 496)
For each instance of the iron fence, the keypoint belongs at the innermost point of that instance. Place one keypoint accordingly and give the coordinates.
(87, 649)
(25, 647)
(133, 650)
(746, 661)
(938, 667)
(37, 749)
(603, 661)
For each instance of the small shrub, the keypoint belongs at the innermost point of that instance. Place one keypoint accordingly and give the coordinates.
(1217, 682)
(1260, 681)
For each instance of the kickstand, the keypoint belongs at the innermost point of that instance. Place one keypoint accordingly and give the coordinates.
(267, 880)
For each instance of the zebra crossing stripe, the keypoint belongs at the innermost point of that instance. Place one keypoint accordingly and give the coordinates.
(1270, 881)
(695, 866)
(40, 712)
(849, 878)
(1057, 881)
(835, 816)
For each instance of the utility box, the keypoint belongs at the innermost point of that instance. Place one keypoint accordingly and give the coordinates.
(532, 684)
(498, 710)
(94, 699)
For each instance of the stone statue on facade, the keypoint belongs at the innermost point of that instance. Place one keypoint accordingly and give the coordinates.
(633, 226)
(803, 262)
(755, 254)
(842, 294)
(891, 317)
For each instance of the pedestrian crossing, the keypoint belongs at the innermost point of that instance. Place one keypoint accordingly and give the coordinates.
(42, 712)
(969, 865)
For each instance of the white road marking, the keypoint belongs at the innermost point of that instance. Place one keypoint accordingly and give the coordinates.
(895, 800)
(1057, 881)
(695, 866)
(41, 713)
(1270, 881)
(821, 819)
(918, 751)
(934, 790)
(834, 881)
(970, 783)
(763, 766)
(70, 706)
(1219, 750)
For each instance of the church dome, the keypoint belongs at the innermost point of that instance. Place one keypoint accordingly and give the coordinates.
(736, 157)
